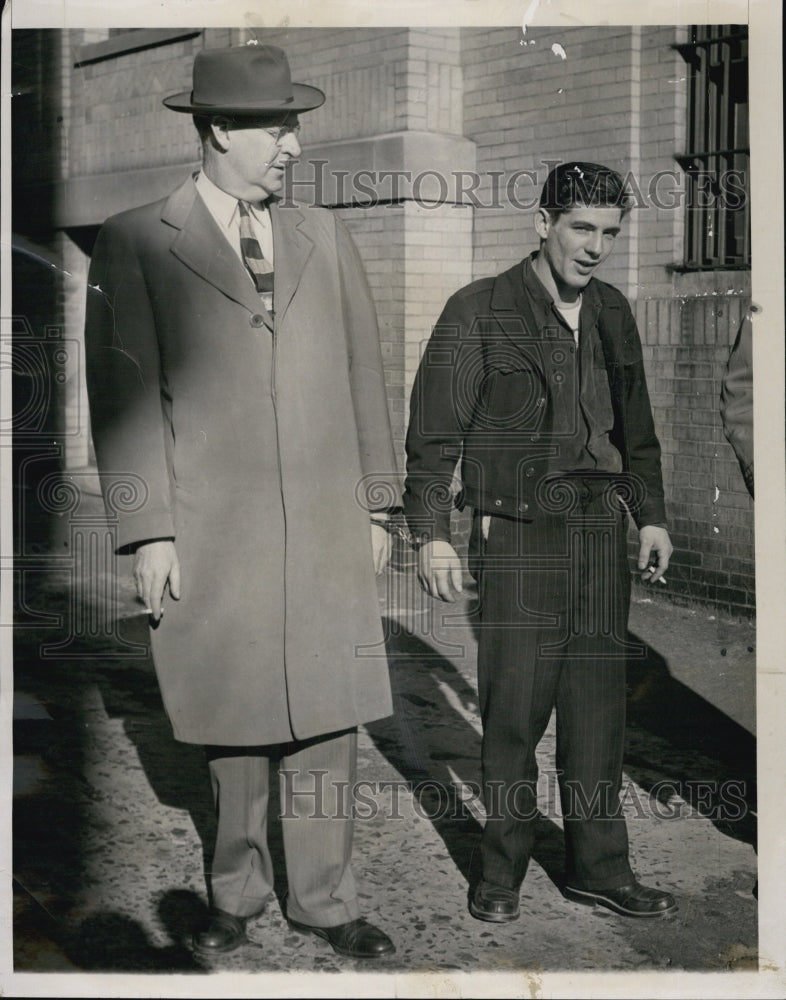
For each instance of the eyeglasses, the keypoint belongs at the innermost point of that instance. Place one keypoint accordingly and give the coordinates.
(277, 132)
(280, 132)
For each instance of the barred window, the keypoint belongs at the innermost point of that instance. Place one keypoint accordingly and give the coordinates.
(717, 157)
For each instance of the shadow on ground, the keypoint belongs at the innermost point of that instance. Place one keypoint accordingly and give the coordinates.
(677, 741)
(709, 760)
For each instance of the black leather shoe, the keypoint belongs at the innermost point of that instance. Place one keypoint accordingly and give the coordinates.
(494, 903)
(356, 939)
(223, 933)
(632, 900)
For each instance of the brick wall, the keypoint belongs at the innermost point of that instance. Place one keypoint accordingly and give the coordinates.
(686, 346)
(121, 122)
(524, 105)
(415, 257)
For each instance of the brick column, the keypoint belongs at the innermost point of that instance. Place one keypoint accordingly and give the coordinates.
(387, 151)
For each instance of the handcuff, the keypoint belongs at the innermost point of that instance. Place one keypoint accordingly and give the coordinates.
(394, 528)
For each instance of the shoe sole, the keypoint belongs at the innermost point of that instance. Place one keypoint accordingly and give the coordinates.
(592, 899)
(492, 918)
(318, 932)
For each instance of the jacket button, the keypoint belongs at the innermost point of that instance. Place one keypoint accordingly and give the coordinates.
(257, 320)
(497, 503)
(534, 437)
(523, 508)
(529, 472)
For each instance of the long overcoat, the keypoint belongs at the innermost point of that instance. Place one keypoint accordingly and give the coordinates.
(259, 445)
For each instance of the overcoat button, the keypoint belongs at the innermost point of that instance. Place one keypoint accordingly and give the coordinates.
(529, 472)
(497, 503)
(257, 320)
(535, 437)
(523, 507)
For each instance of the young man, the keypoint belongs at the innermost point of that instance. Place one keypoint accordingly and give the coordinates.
(236, 388)
(534, 380)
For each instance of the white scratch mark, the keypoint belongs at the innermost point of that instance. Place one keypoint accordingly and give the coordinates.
(558, 50)
(467, 796)
(456, 704)
(527, 20)
(717, 495)
(531, 11)
(21, 247)
(716, 529)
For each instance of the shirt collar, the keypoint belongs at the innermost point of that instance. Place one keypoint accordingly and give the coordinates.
(538, 290)
(221, 204)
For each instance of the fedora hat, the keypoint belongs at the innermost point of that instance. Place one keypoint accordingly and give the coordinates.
(243, 80)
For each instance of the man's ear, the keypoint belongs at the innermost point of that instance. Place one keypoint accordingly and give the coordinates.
(220, 134)
(542, 223)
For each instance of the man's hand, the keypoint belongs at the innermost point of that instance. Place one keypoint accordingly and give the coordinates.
(381, 546)
(155, 565)
(439, 570)
(655, 549)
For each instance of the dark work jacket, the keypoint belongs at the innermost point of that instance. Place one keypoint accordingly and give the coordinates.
(483, 395)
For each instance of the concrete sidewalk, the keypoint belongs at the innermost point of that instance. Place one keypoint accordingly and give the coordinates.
(114, 818)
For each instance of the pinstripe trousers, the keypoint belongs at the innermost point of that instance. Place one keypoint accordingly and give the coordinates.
(554, 600)
(316, 779)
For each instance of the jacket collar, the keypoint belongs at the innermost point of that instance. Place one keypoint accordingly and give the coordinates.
(521, 291)
(520, 286)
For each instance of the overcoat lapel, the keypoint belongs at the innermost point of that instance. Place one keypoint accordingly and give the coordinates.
(293, 247)
(202, 247)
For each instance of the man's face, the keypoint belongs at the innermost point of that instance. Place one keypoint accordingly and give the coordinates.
(258, 159)
(577, 242)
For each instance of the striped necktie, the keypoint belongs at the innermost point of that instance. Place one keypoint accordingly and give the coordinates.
(260, 269)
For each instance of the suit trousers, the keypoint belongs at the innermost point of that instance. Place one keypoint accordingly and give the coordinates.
(554, 600)
(316, 778)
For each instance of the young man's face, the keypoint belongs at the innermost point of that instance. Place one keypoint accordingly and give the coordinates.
(576, 243)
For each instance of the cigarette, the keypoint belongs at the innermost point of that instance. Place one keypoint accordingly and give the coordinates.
(661, 579)
(149, 611)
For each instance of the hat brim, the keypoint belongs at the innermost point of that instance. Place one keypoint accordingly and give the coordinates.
(304, 98)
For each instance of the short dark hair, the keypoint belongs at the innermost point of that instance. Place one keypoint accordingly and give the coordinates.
(590, 185)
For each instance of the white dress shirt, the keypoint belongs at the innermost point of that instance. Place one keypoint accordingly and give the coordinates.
(223, 208)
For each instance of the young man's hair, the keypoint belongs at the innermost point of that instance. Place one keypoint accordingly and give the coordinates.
(586, 185)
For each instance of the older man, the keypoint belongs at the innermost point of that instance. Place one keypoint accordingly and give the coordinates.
(236, 382)
(534, 379)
